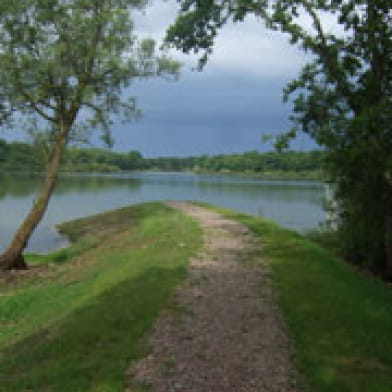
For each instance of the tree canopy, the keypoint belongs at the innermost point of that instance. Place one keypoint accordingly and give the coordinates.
(17, 156)
(58, 57)
(342, 98)
(64, 65)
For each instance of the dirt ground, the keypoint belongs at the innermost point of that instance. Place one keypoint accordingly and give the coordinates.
(224, 332)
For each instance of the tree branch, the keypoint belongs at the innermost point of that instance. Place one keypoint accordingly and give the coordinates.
(35, 106)
(330, 63)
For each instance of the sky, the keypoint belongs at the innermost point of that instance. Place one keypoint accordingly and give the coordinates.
(227, 107)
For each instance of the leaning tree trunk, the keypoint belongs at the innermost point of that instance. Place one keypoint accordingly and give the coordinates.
(13, 258)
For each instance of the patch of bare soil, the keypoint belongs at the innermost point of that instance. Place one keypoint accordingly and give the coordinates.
(16, 277)
(225, 333)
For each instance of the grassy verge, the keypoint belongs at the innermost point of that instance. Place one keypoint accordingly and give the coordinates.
(76, 323)
(328, 239)
(340, 321)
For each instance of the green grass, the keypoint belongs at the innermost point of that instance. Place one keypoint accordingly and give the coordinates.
(328, 239)
(77, 323)
(340, 321)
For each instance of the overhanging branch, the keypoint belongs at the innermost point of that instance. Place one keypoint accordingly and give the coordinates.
(330, 63)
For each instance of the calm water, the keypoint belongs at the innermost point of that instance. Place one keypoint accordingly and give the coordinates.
(293, 204)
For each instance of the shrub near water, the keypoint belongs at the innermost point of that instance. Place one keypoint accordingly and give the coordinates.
(77, 326)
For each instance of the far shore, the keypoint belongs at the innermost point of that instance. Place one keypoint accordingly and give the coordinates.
(311, 175)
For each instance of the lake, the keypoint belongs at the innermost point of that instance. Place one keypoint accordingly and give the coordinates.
(296, 205)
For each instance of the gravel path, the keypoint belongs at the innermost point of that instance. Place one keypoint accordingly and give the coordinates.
(225, 332)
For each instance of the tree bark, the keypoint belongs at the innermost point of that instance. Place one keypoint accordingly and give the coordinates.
(13, 258)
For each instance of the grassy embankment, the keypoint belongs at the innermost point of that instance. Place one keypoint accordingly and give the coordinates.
(75, 324)
(339, 320)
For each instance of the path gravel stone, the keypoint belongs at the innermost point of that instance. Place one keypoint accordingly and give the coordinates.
(224, 332)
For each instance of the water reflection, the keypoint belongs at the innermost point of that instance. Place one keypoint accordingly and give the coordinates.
(21, 185)
(294, 204)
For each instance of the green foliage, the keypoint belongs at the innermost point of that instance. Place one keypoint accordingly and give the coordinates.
(255, 162)
(200, 20)
(340, 321)
(64, 66)
(78, 325)
(58, 57)
(19, 156)
(131, 160)
(328, 239)
(343, 99)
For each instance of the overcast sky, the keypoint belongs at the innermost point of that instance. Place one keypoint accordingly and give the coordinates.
(227, 107)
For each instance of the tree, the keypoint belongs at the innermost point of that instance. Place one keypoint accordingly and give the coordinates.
(64, 63)
(342, 99)
(3, 151)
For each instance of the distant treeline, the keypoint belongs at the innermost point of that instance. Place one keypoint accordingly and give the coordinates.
(18, 156)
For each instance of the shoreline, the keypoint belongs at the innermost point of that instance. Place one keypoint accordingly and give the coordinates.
(314, 176)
